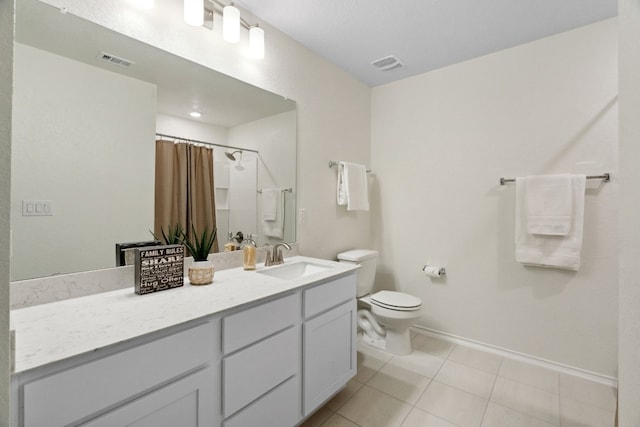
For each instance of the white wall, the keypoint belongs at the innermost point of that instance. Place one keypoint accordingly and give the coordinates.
(275, 138)
(333, 108)
(629, 319)
(7, 9)
(191, 129)
(441, 141)
(83, 138)
(243, 187)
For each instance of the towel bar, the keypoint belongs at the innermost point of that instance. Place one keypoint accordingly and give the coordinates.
(284, 190)
(605, 177)
(332, 164)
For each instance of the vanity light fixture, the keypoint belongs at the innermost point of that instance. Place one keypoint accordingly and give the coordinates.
(231, 23)
(256, 42)
(193, 12)
(195, 114)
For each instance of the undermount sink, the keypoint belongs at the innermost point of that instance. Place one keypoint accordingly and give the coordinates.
(294, 270)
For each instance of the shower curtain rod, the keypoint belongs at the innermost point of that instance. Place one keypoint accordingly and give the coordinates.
(605, 177)
(205, 143)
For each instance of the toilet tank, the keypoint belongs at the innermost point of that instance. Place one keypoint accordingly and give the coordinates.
(367, 260)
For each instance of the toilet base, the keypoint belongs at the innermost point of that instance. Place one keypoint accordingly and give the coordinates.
(398, 342)
(378, 343)
(395, 343)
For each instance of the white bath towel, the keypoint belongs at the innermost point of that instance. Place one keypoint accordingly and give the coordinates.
(270, 203)
(352, 186)
(545, 250)
(549, 204)
(275, 227)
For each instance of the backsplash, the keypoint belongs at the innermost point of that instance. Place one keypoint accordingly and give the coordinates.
(26, 293)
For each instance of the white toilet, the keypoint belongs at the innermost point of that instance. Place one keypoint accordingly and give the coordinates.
(386, 315)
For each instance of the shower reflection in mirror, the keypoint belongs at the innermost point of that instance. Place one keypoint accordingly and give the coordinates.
(197, 187)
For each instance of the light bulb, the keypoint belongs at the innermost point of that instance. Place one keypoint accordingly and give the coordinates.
(256, 42)
(194, 12)
(231, 24)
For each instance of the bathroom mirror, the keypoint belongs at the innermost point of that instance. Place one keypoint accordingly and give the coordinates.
(88, 103)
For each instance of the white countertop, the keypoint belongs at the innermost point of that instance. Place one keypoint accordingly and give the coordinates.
(52, 332)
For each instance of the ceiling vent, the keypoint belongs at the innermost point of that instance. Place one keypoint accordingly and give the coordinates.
(387, 63)
(107, 57)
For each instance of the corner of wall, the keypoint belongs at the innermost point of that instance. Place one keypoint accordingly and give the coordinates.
(7, 14)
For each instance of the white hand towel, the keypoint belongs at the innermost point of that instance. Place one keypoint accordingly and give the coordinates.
(341, 195)
(355, 186)
(275, 228)
(270, 202)
(545, 250)
(549, 204)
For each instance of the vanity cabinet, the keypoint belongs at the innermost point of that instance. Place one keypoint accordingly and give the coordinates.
(270, 363)
(329, 337)
(136, 384)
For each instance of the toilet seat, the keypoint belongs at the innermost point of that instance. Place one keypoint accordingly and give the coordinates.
(396, 301)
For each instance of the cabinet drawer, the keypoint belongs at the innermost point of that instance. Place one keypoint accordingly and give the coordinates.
(255, 370)
(249, 326)
(278, 408)
(73, 394)
(188, 402)
(323, 297)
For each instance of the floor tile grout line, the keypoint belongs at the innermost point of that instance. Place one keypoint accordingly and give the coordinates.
(529, 384)
(439, 417)
(461, 389)
(525, 413)
(475, 367)
(346, 418)
(495, 379)
(395, 397)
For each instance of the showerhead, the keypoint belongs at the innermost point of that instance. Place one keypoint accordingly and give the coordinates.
(231, 156)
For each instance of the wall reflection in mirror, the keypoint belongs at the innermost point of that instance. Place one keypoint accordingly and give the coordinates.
(84, 135)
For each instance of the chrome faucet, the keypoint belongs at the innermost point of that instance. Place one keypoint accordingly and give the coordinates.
(275, 257)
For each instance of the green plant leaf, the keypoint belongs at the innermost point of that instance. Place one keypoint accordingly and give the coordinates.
(199, 244)
(173, 235)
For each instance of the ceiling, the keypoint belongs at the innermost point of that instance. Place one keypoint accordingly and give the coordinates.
(424, 34)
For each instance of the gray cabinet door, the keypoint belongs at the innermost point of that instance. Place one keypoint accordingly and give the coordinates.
(329, 342)
(188, 402)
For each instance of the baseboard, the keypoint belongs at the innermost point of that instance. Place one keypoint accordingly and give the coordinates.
(526, 358)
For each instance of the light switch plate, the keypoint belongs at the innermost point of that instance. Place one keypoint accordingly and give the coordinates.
(37, 208)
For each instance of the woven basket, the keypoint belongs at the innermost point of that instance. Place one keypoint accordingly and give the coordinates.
(201, 273)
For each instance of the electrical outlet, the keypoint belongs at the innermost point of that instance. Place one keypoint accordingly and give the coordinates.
(302, 216)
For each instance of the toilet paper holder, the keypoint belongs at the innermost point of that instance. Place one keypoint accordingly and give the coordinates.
(432, 271)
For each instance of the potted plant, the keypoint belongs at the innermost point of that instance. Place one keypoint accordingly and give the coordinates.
(173, 236)
(199, 245)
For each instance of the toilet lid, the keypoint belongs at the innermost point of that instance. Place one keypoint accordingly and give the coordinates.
(396, 300)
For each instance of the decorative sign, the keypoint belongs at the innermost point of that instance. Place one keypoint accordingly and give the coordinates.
(158, 268)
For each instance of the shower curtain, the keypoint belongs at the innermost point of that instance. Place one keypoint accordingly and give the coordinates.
(184, 189)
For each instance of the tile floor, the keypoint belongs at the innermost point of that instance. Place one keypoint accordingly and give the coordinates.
(441, 384)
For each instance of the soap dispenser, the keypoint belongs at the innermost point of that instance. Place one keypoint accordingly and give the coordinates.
(249, 254)
(231, 245)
